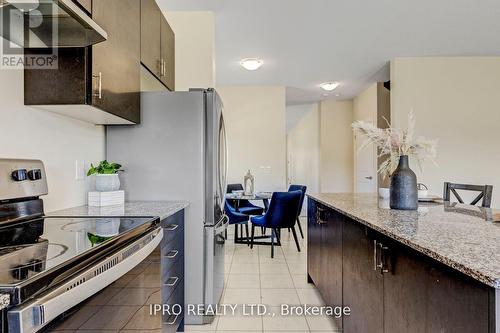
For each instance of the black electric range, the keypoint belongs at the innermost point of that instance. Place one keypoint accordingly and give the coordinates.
(36, 254)
(50, 264)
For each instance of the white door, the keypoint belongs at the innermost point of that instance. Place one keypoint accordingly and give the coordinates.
(365, 164)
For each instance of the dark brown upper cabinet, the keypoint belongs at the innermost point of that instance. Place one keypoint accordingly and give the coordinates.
(115, 63)
(98, 84)
(167, 54)
(150, 36)
(85, 4)
(157, 44)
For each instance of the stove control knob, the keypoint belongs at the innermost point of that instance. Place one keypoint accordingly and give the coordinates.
(20, 272)
(35, 174)
(19, 175)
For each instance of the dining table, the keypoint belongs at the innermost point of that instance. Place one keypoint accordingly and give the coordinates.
(265, 197)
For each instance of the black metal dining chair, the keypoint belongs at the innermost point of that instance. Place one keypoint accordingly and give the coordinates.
(485, 193)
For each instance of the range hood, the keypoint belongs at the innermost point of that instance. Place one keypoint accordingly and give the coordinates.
(47, 24)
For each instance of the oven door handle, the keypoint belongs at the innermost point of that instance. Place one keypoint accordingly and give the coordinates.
(32, 316)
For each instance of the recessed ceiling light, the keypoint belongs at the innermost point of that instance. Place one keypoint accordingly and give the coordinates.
(251, 64)
(329, 86)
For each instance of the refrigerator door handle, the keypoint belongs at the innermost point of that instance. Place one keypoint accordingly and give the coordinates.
(222, 163)
(219, 229)
(226, 155)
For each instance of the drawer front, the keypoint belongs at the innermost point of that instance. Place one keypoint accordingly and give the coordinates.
(177, 219)
(172, 321)
(172, 277)
(171, 232)
(170, 253)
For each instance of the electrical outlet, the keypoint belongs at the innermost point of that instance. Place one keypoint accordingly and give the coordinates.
(80, 170)
(265, 169)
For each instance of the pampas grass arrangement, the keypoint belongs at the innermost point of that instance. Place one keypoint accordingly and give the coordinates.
(394, 142)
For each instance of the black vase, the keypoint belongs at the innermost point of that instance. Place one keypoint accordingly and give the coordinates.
(404, 193)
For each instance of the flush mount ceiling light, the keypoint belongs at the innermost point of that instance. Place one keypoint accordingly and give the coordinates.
(329, 86)
(251, 64)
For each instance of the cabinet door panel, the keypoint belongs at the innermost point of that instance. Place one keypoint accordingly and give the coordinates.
(421, 295)
(456, 303)
(331, 266)
(313, 242)
(362, 285)
(150, 36)
(86, 4)
(406, 292)
(116, 62)
(167, 54)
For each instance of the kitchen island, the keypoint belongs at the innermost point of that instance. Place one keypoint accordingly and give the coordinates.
(432, 270)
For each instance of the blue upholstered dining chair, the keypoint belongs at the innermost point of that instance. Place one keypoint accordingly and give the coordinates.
(236, 218)
(244, 206)
(282, 213)
(303, 189)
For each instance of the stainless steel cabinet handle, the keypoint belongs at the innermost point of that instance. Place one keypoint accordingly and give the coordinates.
(383, 266)
(171, 227)
(164, 67)
(369, 177)
(172, 281)
(98, 92)
(170, 321)
(319, 211)
(378, 257)
(172, 254)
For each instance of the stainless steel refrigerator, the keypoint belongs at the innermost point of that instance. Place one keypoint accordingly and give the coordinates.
(179, 152)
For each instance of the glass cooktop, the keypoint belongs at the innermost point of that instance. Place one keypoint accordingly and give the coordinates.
(30, 248)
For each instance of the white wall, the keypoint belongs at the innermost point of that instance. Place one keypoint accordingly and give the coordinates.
(194, 48)
(336, 161)
(255, 123)
(457, 100)
(303, 147)
(58, 141)
(295, 113)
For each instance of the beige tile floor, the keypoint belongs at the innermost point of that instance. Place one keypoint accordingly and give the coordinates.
(253, 277)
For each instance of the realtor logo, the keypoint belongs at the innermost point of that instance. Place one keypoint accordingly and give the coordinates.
(29, 34)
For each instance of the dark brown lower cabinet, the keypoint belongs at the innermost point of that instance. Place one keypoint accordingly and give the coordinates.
(325, 253)
(363, 287)
(388, 286)
(421, 295)
(314, 243)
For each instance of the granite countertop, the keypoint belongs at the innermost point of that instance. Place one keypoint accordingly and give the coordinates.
(460, 236)
(161, 209)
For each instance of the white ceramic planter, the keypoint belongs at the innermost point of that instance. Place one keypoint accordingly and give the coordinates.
(384, 193)
(106, 183)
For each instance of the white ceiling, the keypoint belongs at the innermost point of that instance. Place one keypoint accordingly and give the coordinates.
(306, 42)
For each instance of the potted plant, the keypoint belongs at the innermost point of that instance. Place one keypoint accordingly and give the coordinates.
(397, 146)
(106, 176)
